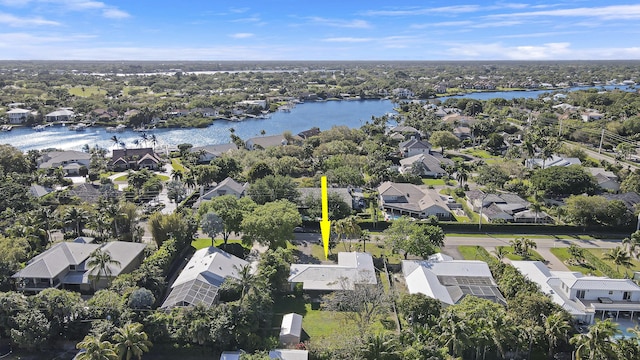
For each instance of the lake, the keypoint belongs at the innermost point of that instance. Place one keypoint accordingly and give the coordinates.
(323, 115)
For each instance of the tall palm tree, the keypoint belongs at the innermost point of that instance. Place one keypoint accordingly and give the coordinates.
(453, 333)
(536, 207)
(597, 343)
(115, 140)
(632, 243)
(619, 257)
(99, 265)
(176, 174)
(76, 217)
(131, 342)
(462, 175)
(556, 327)
(94, 349)
(246, 280)
(500, 252)
(576, 252)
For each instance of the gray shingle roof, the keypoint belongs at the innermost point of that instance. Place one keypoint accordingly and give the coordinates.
(52, 262)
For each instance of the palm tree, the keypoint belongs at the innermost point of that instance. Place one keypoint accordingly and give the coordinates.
(597, 343)
(380, 347)
(76, 217)
(556, 327)
(246, 280)
(462, 175)
(99, 265)
(576, 252)
(131, 342)
(176, 174)
(115, 140)
(453, 333)
(526, 245)
(500, 252)
(632, 243)
(94, 349)
(536, 207)
(619, 257)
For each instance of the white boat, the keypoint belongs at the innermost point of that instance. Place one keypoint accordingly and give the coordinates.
(6, 128)
(39, 127)
(78, 127)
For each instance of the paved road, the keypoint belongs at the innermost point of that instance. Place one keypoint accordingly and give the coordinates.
(594, 154)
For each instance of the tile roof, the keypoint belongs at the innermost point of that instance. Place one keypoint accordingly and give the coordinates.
(352, 268)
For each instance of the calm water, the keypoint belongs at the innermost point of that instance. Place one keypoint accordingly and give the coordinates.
(303, 117)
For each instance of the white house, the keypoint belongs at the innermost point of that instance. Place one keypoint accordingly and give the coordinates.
(408, 199)
(60, 115)
(18, 116)
(585, 297)
(554, 160)
(291, 329)
(442, 278)
(352, 268)
(289, 354)
(70, 160)
(414, 147)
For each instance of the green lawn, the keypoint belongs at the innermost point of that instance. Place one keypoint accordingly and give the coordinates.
(479, 153)
(599, 253)
(123, 178)
(320, 324)
(177, 165)
(529, 236)
(533, 255)
(202, 243)
(437, 182)
(88, 91)
(470, 252)
(563, 255)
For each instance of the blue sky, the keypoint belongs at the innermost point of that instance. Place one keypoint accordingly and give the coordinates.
(318, 30)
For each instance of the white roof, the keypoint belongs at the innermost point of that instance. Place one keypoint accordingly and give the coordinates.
(56, 259)
(211, 265)
(286, 354)
(231, 355)
(450, 280)
(18, 111)
(62, 112)
(352, 268)
(123, 252)
(291, 325)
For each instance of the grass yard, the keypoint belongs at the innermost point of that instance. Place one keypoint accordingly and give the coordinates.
(470, 252)
(202, 243)
(563, 255)
(599, 253)
(123, 178)
(479, 153)
(177, 165)
(533, 255)
(528, 236)
(437, 182)
(88, 91)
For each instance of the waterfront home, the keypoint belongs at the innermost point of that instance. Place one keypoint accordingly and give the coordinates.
(134, 159)
(65, 265)
(401, 199)
(71, 161)
(407, 131)
(209, 152)
(314, 131)
(585, 297)
(206, 112)
(60, 115)
(449, 281)
(19, 116)
(103, 115)
(199, 281)
(353, 268)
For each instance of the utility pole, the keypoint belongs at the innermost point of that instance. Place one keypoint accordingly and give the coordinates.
(601, 140)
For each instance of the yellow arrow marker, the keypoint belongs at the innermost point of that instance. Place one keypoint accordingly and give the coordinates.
(325, 224)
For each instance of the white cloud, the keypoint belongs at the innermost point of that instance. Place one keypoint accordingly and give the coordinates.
(17, 40)
(537, 34)
(441, 24)
(456, 9)
(348, 39)
(614, 12)
(115, 14)
(497, 51)
(241, 35)
(15, 21)
(356, 24)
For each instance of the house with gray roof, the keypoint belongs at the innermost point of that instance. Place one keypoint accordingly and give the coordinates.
(39, 190)
(18, 116)
(554, 160)
(351, 196)
(427, 165)
(606, 180)
(227, 186)
(414, 147)
(448, 280)
(70, 160)
(201, 278)
(210, 152)
(64, 265)
(585, 297)
(630, 199)
(60, 115)
(401, 199)
(504, 206)
(353, 268)
(133, 159)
